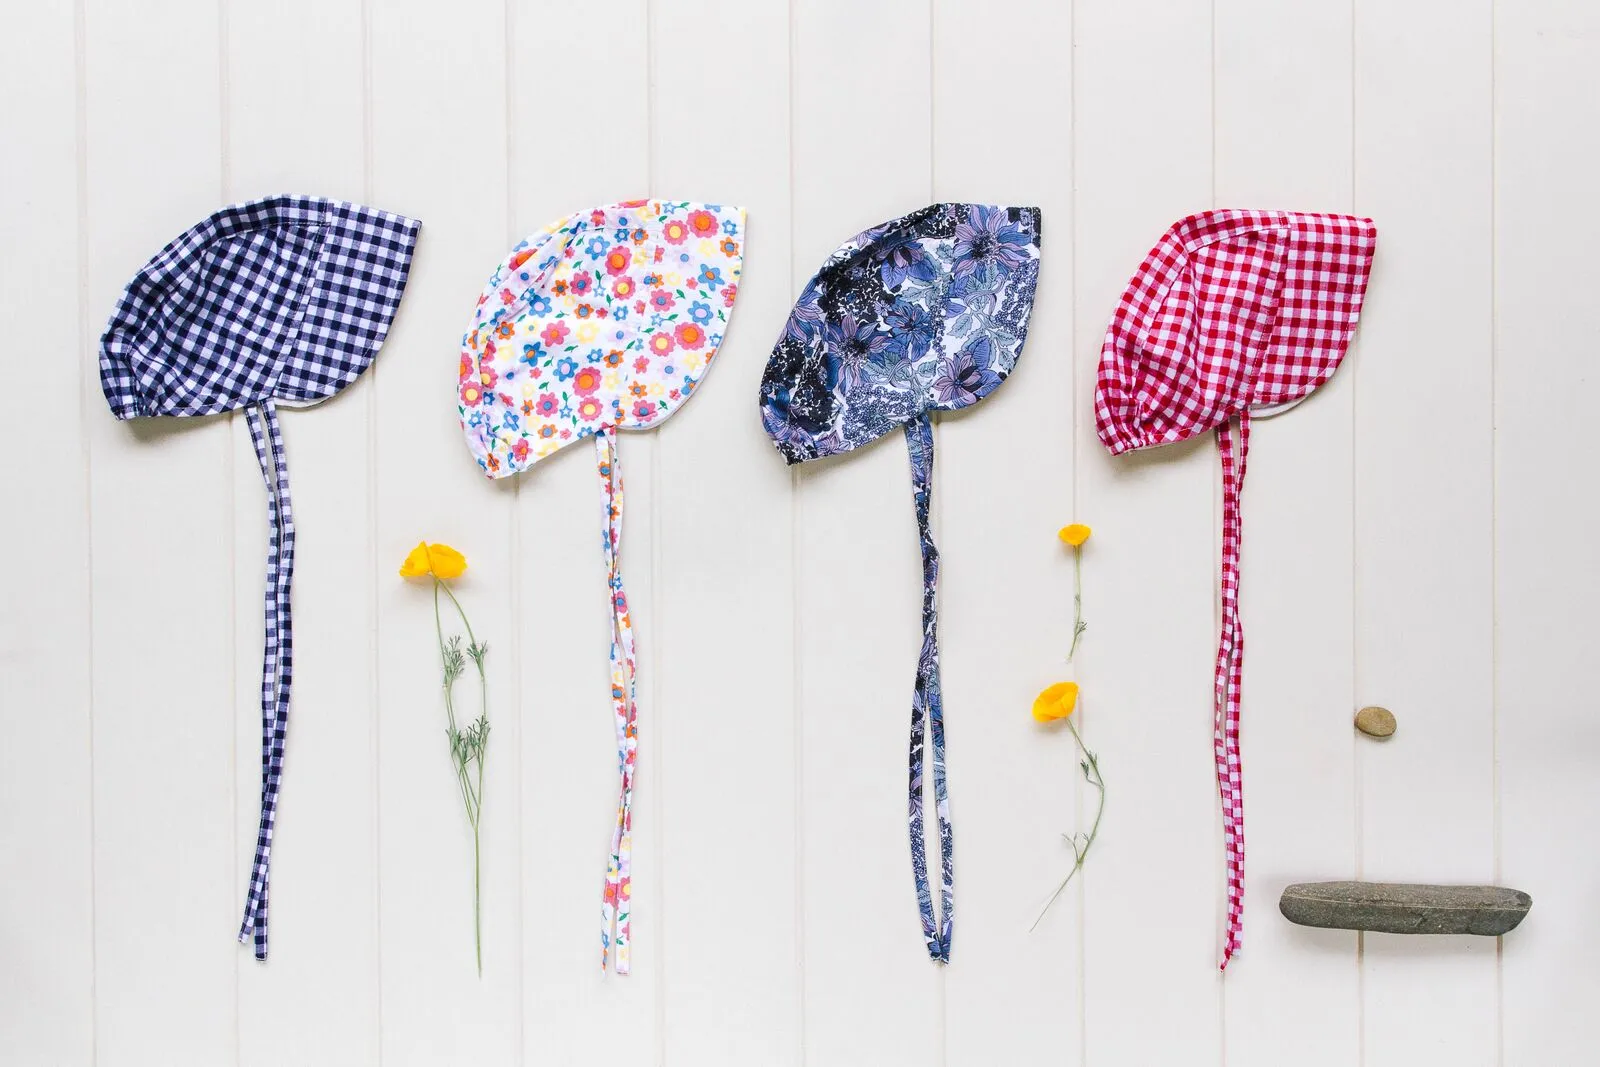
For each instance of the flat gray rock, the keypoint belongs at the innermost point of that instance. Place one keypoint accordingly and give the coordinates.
(1397, 908)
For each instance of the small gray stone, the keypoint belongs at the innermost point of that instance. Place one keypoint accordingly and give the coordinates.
(1394, 908)
(1375, 721)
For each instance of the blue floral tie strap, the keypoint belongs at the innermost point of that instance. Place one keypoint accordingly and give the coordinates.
(927, 711)
(616, 908)
(277, 667)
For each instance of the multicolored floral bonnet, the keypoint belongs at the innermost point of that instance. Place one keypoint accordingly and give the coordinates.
(1233, 314)
(924, 313)
(607, 320)
(275, 302)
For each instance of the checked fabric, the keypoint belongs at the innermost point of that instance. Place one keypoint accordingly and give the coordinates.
(924, 313)
(281, 301)
(1232, 314)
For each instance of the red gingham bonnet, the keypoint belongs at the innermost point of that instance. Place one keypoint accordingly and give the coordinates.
(1232, 313)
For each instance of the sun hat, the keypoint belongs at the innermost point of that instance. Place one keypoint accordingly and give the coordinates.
(924, 313)
(276, 302)
(607, 320)
(1233, 315)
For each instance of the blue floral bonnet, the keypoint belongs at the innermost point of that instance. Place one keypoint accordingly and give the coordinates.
(924, 313)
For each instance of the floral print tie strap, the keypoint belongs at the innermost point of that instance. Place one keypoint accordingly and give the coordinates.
(926, 312)
(277, 667)
(607, 320)
(616, 908)
(927, 712)
(1230, 665)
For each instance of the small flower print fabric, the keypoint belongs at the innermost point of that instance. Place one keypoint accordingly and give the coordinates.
(1232, 314)
(281, 301)
(924, 313)
(607, 320)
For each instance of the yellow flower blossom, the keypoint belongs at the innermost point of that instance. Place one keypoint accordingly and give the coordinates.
(1056, 702)
(1075, 535)
(440, 561)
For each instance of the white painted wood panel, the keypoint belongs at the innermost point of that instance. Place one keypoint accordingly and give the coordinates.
(1547, 126)
(1416, 535)
(1153, 889)
(46, 821)
(1283, 90)
(726, 762)
(169, 862)
(438, 129)
(324, 859)
(1006, 581)
(860, 143)
(1424, 511)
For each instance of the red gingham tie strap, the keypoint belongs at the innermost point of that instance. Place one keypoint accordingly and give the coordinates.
(1230, 664)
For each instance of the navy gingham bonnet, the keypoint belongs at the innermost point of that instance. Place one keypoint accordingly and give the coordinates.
(924, 313)
(286, 301)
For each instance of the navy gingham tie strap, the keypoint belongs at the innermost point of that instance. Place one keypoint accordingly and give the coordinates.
(277, 662)
(927, 712)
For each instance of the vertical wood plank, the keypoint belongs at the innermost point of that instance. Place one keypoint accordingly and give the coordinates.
(1424, 511)
(167, 874)
(1153, 890)
(324, 875)
(573, 1011)
(860, 157)
(46, 870)
(438, 113)
(1283, 141)
(726, 761)
(1546, 520)
(1004, 487)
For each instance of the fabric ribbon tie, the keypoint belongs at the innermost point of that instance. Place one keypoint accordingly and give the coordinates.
(616, 901)
(1230, 664)
(927, 711)
(277, 666)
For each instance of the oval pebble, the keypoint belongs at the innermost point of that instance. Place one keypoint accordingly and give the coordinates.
(1375, 721)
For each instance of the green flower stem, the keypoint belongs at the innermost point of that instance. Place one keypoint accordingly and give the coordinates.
(466, 748)
(1091, 774)
(1078, 625)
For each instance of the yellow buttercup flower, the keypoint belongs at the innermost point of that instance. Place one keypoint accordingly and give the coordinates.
(440, 561)
(467, 747)
(1056, 702)
(1075, 535)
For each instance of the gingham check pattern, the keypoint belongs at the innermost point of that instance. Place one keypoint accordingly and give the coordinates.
(288, 297)
(1231, 311)
(283, 300)
(277, 664)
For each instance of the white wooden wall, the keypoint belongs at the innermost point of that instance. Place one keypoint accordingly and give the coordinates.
(1421, 534)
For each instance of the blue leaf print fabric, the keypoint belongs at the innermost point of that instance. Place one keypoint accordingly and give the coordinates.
(924, 313)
